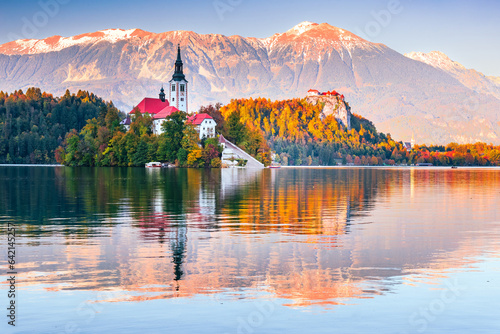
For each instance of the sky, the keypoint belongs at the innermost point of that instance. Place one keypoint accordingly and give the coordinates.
(467, 31)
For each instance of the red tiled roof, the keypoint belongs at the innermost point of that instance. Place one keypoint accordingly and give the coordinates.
(199, 118)
(165, 112)
(313, 90)
(151, 106)
(334, 93)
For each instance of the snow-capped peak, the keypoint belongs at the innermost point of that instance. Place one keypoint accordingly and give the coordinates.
(302, 27)
(323, 36)
(114, 35)
(57, 43)
(436, 59)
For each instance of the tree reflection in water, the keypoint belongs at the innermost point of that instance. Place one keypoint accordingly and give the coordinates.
(314, 236)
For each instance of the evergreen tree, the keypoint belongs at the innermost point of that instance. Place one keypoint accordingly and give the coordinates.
(140, 157)
(235, 129)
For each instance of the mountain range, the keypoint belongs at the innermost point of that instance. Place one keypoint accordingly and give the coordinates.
(428, 96)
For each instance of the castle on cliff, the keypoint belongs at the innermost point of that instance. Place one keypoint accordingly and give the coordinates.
(334, 104)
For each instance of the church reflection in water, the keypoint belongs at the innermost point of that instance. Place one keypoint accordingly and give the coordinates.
(312, 236)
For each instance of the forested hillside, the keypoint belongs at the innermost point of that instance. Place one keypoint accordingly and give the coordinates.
(34, 124)
(295, 131)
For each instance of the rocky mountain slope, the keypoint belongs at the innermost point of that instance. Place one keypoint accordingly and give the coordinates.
(401, 95)
(470, 78)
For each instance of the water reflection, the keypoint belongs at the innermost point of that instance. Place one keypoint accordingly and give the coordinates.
(312, 236)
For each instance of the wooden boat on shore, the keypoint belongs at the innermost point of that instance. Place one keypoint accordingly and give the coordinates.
(153, 165)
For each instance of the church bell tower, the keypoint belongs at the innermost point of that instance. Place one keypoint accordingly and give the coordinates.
(162, 94)
(178, 91)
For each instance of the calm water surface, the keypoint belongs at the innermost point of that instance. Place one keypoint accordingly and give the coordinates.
(111, 250)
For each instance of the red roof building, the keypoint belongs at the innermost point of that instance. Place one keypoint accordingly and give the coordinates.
(151, 106)
(204, 124)
(160, 117)
(199, 118)
(165, 112)
(313, 92)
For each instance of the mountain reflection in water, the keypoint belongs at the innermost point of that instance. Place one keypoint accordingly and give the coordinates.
(311, 236)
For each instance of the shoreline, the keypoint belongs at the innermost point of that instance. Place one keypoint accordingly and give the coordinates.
(392, 167)
(287, 167)
(31, 165)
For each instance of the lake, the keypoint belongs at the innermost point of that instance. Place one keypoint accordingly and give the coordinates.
(290, 250)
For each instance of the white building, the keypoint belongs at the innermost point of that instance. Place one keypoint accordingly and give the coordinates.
(204, 125)
(178, 92)
(160, 117)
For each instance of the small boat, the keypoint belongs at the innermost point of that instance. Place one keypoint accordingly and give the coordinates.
(153, 165)
(275, 166)
(454, 167)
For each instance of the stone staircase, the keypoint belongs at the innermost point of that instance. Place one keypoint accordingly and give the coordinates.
(231, 151)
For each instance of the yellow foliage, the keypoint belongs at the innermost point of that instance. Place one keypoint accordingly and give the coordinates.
(194, 157)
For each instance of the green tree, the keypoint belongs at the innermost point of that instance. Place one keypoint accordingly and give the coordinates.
(141, 124)
(236, 131)
(112, 120)
(171, 139)
(140, 156)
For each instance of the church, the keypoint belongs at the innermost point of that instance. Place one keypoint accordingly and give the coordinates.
(178, 92)
(159, 109)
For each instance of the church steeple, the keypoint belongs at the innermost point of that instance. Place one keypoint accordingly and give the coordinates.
(162, 94)
(179, 53)
(178, 73)
(178, 91)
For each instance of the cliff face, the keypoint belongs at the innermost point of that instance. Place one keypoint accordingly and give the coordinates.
(333, 105)
(400, 95)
